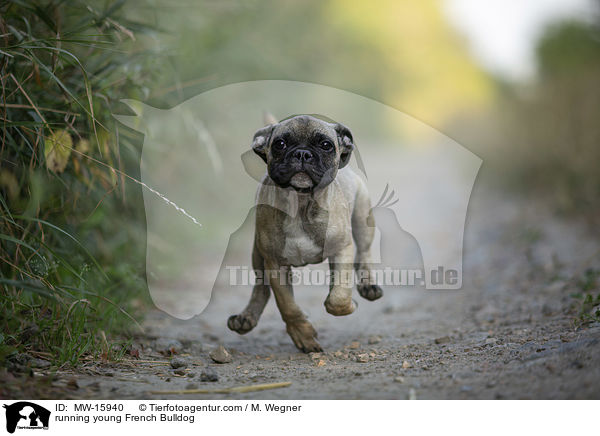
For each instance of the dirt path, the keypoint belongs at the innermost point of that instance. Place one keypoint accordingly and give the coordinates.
(509, 333)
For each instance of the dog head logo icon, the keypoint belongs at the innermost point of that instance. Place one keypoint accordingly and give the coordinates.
(26, 415)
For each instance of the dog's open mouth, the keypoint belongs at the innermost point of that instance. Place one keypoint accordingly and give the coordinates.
(301, 181)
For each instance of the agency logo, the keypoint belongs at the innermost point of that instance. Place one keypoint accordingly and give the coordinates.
(201, 174)
(26, 415)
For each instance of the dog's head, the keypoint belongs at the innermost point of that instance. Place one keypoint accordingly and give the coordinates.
(303, 152)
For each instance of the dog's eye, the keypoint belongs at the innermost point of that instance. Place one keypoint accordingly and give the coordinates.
(279, 144)
(326, 145)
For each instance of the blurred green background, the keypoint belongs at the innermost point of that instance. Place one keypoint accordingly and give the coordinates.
(72, 225)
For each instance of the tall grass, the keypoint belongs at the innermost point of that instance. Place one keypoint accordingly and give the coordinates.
(71, 225)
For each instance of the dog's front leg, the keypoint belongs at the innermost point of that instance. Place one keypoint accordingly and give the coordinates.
(297, 325)
(248, 318)
(339, 301)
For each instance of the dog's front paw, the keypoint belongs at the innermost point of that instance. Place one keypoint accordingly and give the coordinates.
(241, 323)
(369, 292)
(304, 336)
(340, 307)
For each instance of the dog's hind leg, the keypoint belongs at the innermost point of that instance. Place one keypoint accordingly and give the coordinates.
(248, 318)
(363, 231)
(297, 325)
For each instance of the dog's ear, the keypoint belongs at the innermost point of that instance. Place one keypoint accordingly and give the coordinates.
(346, 143)
(260, 141)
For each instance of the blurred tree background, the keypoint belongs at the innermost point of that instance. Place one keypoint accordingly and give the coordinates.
(72, 230)
(557, 139)
(542, 138)
(402, 54)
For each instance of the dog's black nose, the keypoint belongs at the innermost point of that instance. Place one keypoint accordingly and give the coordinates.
(303, 155)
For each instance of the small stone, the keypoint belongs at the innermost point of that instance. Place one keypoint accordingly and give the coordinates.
(168, 346)
(577, 364)
(362, 358)
(95, 386)
(354, 345)
(406, 364)
(209, 375)
(547, 310)
(321, 363)
(442, 340)
(72, 384)
(466, 388)
(178, 362)
(191, 374)
(31, 331)
(39, 363)
(338, 353)
(315, 356)
(179, 371)
(220, 355)
(399, 379)
(374, 340)
(412, 394)
(20, 358)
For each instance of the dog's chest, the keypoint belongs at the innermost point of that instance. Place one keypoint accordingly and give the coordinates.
(303, 241)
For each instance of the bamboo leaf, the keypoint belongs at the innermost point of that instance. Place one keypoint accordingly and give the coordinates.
(57, 150)
(29, 286)
(23, 243)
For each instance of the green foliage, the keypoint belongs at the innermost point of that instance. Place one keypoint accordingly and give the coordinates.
(543, 137)
(71, 221)
(588, 310)
(589, 281)
(568, 48)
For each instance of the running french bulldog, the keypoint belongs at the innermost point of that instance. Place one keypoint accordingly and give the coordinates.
(310, 206)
